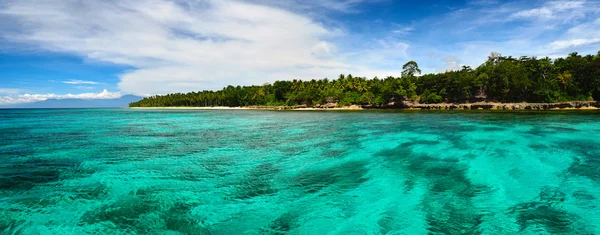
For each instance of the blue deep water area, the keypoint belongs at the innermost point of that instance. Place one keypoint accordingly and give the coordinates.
(131, 171)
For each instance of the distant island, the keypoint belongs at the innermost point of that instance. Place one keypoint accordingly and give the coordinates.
(121, 102)
(499, 83)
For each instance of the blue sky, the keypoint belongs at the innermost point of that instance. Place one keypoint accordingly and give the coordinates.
(107, 48)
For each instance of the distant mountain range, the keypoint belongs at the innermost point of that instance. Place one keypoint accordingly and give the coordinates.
(80, 103)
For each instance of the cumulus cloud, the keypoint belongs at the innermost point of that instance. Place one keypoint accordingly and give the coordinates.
(180, 46)
(451, 63)
(28, 98)
(79, 82)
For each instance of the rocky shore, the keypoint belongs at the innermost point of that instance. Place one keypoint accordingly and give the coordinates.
(574, 105)
(315, 107)
(447, 106)
(510, 106)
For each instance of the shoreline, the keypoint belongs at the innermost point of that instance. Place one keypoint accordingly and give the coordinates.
(574, 105)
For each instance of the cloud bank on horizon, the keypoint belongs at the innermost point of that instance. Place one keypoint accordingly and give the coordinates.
(29, 98)
(166, 46)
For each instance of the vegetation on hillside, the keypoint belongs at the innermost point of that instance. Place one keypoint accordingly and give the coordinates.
(500, 79)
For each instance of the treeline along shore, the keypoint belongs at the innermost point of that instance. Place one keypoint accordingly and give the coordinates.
(504, 83)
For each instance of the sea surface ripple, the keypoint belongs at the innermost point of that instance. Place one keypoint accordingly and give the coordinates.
(121, 171)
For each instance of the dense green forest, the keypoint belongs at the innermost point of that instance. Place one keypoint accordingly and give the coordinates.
(499, 79)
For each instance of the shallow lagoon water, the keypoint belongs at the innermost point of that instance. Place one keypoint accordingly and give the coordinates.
(127, 171)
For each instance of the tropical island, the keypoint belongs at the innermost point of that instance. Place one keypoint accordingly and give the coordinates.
(499, 83)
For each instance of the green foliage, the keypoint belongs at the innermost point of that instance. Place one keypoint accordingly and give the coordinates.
(429, 97)
(504, 79)
(410, 69)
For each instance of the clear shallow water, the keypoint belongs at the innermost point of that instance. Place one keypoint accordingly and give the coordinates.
(261, 172)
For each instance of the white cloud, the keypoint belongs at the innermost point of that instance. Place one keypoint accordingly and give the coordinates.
(10, 91)
(180, 46)
(383, 52)
(515, 28)
(403, 30)
(28, 98)
(584, 35)
(341, 5)
(345, 6)
(567, 44)
(565, 10)
(540, 13)
(79, 82)
(451, 63)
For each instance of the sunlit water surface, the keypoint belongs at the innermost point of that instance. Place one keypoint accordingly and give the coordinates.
(262, 172)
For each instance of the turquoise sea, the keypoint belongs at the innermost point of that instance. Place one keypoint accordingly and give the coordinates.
(122, 171)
